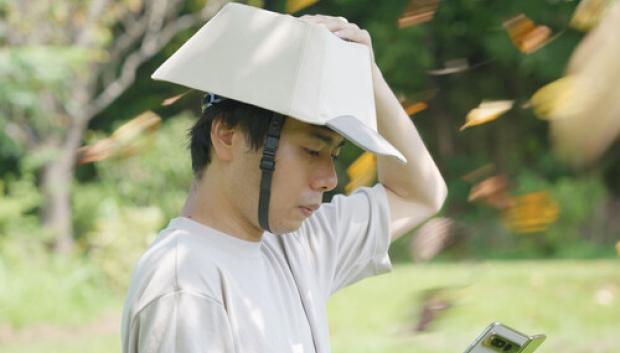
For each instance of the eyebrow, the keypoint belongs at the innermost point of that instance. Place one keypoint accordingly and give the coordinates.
(327, 139)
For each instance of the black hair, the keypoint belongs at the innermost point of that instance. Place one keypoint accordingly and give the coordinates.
(253, 121)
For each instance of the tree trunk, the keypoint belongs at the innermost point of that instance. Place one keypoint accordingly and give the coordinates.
(56, 184)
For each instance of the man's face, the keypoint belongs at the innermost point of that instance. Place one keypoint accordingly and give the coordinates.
(304, 171)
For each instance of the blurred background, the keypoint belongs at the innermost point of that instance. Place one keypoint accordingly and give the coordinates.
(519, 103)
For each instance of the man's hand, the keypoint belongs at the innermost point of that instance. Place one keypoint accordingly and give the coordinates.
(342, 28)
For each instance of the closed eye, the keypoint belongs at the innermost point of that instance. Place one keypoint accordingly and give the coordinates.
(313, 153)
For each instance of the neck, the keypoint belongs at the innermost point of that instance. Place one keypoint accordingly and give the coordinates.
(208, 203)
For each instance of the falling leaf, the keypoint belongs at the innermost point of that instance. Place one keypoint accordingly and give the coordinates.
(457, 66)
(531, 213)
(418, 11)
(618, 247)
(414, 108)
(451, 67)
(361, 172)
(430, 239)
(479, 172)
(492, 191)
(589, 13)
(171, 100)
(127, 140)
(487, 111)
(584, 106)
(557, 100)
(293, 6)
(525, 35)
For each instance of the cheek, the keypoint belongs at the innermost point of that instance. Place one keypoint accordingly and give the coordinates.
(244, 183)
(287, 186)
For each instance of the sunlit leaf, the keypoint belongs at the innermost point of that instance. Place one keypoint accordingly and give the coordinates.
(361, 172)
(171, 100)
(531, 213)
(618, 247)
(556, 100)
(525, 35)
(418, 11)
(487, 111)
(584, 106)
(589, 13)
(451, 67)
(293, 6)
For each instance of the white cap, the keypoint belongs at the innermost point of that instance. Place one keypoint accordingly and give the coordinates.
(284, 64)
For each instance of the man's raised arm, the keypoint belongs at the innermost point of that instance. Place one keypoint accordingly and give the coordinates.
(416, 190)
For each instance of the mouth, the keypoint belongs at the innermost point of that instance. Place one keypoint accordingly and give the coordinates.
(308, 209)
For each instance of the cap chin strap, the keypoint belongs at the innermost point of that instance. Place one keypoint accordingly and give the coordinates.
(267, 166)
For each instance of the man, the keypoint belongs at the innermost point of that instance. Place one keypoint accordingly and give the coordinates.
(251, 262)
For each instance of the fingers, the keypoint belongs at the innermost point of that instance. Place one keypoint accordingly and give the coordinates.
(330, 22)
(353, 34)
(341, 27)
(337, 25)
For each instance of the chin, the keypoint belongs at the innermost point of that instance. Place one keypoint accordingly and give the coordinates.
(286, 228)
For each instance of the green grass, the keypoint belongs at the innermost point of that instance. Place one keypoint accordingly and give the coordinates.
(35, 289)
(576, 303)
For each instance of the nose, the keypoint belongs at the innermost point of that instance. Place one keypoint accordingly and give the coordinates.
(324, 177)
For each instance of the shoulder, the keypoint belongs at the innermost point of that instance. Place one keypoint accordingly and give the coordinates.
(174, 263)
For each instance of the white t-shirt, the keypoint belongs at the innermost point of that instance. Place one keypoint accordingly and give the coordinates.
(199, 290)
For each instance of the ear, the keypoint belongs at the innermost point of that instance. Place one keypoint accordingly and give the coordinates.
(222, 140)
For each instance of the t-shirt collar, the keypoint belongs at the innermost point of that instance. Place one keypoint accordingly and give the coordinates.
(215, 238)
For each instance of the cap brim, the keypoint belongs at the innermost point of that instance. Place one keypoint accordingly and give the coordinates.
(364, 137)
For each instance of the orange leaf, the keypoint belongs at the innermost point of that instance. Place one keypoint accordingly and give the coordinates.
(414, 108)
(418, 11)
(532, 212)
(525, 35)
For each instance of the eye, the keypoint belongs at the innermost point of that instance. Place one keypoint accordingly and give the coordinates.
(312, 152)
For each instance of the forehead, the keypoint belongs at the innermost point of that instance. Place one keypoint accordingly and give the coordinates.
(295, 128)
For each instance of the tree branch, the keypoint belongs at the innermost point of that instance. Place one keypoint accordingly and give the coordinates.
(95, 10)
(151, 45)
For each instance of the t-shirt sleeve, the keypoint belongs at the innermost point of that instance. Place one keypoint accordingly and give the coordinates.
(348, 238)
(180, 322)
